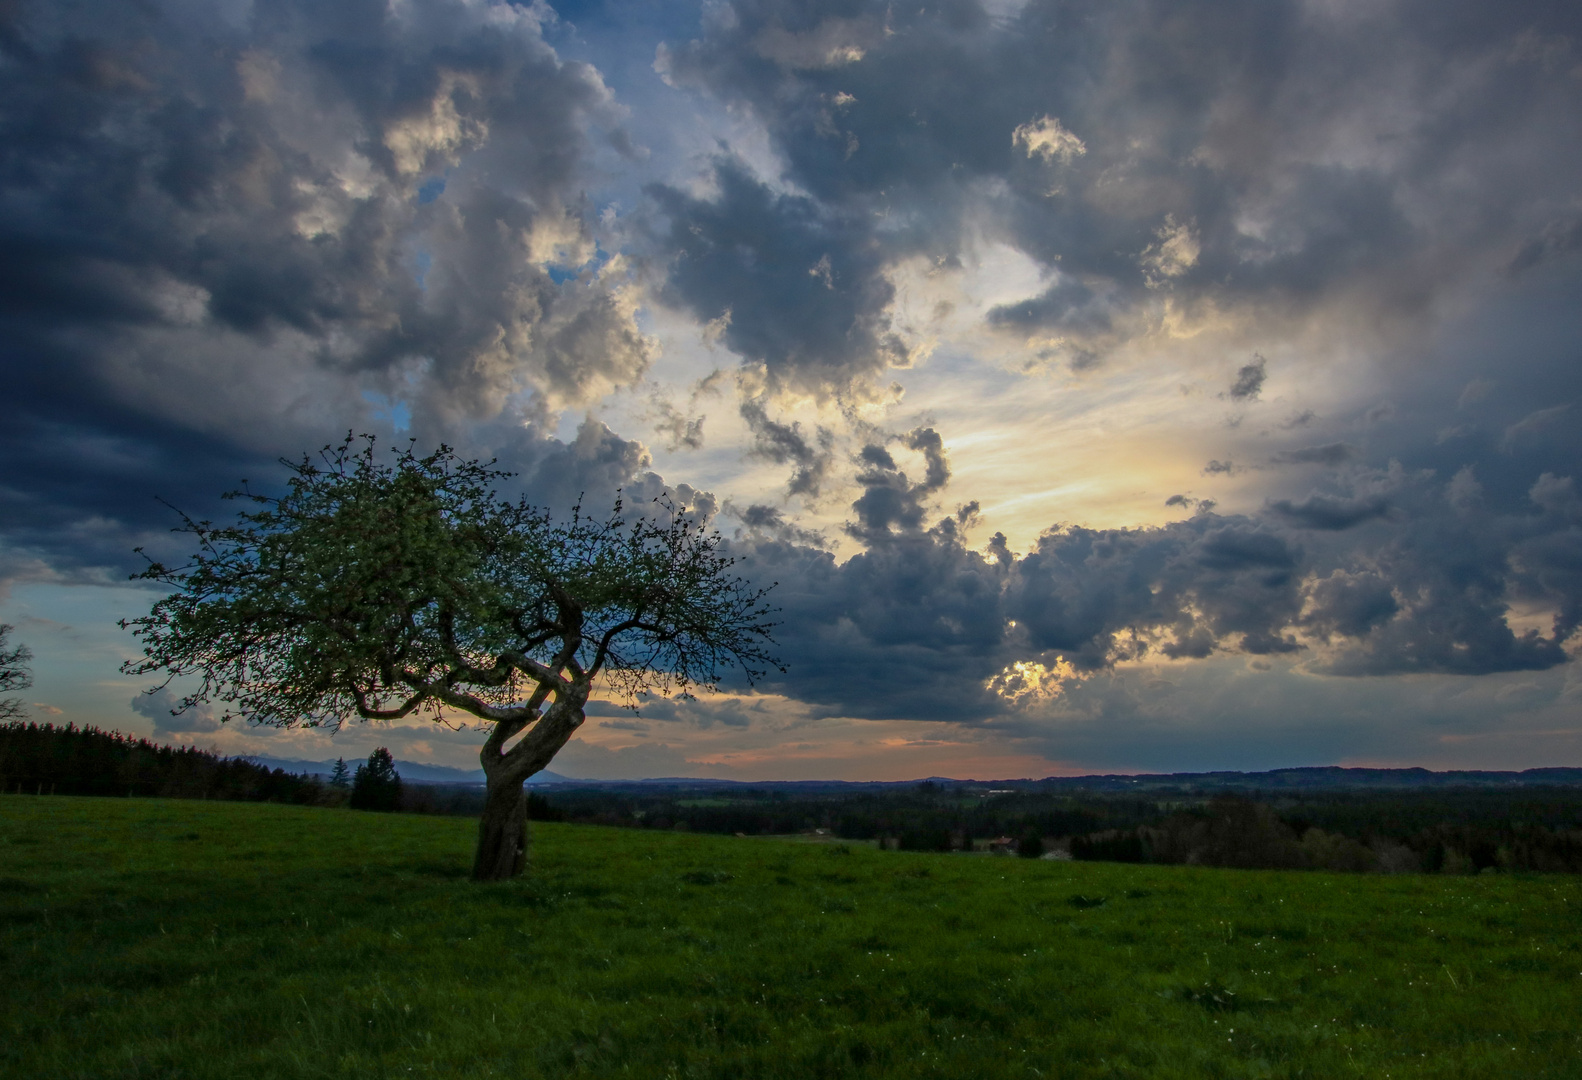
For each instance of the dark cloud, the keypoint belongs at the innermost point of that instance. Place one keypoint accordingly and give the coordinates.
(1249, 380)
(587, 469)
(1324, 512)
(680, 430)
(928, 442)
(1549, 562)
(1230, 153)
(225, 233)
(1558, 239)
(232, 233)
(1328, 454)
(911, 628)
(810, 457)
(921, 626)
(1349, 605)
(767, 522)
(891, 505)
(1236, 548)
(1068, 304)
(800, 289)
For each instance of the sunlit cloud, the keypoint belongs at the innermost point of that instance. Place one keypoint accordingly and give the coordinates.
(1055, 408)
(1027, 681)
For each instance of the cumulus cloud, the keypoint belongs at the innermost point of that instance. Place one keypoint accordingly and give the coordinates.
(161, 707)
(919, 625)
(231, 233)
(796, 287)
(1249, 185)
(1276, 183)
(892, 505)
(227, 231)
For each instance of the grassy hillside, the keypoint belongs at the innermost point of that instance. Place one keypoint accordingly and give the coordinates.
(182, 939)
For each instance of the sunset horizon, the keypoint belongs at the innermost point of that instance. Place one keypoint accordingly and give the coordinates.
(1127, 388)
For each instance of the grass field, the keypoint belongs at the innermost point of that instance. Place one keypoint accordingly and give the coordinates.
(190, 939)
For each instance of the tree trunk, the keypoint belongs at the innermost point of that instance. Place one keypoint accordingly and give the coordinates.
(502, 832)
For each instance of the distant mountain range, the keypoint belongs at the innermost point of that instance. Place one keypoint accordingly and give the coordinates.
(412, 771)
(1323, 778)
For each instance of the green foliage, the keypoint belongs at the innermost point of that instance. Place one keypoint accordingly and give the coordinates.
(377, 590)
(377, 785)
(1462, 830)
(14, 674)
(374, 590)
(71, 760)
(147, 938)
(340, 775)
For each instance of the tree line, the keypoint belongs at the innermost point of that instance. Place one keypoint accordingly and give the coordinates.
(46, 759)
(1457, 831)
(1438, 831)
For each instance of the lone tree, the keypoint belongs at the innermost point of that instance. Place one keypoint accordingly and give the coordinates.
(376, 590)
(14, 674)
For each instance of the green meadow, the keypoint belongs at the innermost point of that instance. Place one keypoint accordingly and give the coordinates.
(191, 939)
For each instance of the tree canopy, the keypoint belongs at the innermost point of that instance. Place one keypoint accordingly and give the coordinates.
(374, 589)
(14, 674)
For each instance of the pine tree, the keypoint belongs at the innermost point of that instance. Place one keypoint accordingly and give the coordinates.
(377, 785)
(340, 776)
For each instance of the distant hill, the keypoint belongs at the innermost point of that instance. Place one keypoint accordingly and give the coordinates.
(1324, 778)
(1319, 778)
(414, 772)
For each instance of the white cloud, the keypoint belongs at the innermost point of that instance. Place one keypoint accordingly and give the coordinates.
(1045, 138)
(1175, 252)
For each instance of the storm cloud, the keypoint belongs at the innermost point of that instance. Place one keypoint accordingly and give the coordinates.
(799, 290)
(919, 625)
(229, 232)
(1039, 345)
(1273, 157)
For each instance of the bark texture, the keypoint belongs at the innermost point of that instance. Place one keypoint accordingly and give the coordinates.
(502, 833)
(502, 830)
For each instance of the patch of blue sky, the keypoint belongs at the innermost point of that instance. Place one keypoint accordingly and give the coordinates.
(431, 190)
(562, 274)
(399, 413)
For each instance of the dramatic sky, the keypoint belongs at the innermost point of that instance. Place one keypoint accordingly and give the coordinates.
(1135, 385)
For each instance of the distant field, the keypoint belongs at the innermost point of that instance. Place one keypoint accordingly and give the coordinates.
(190, 939)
